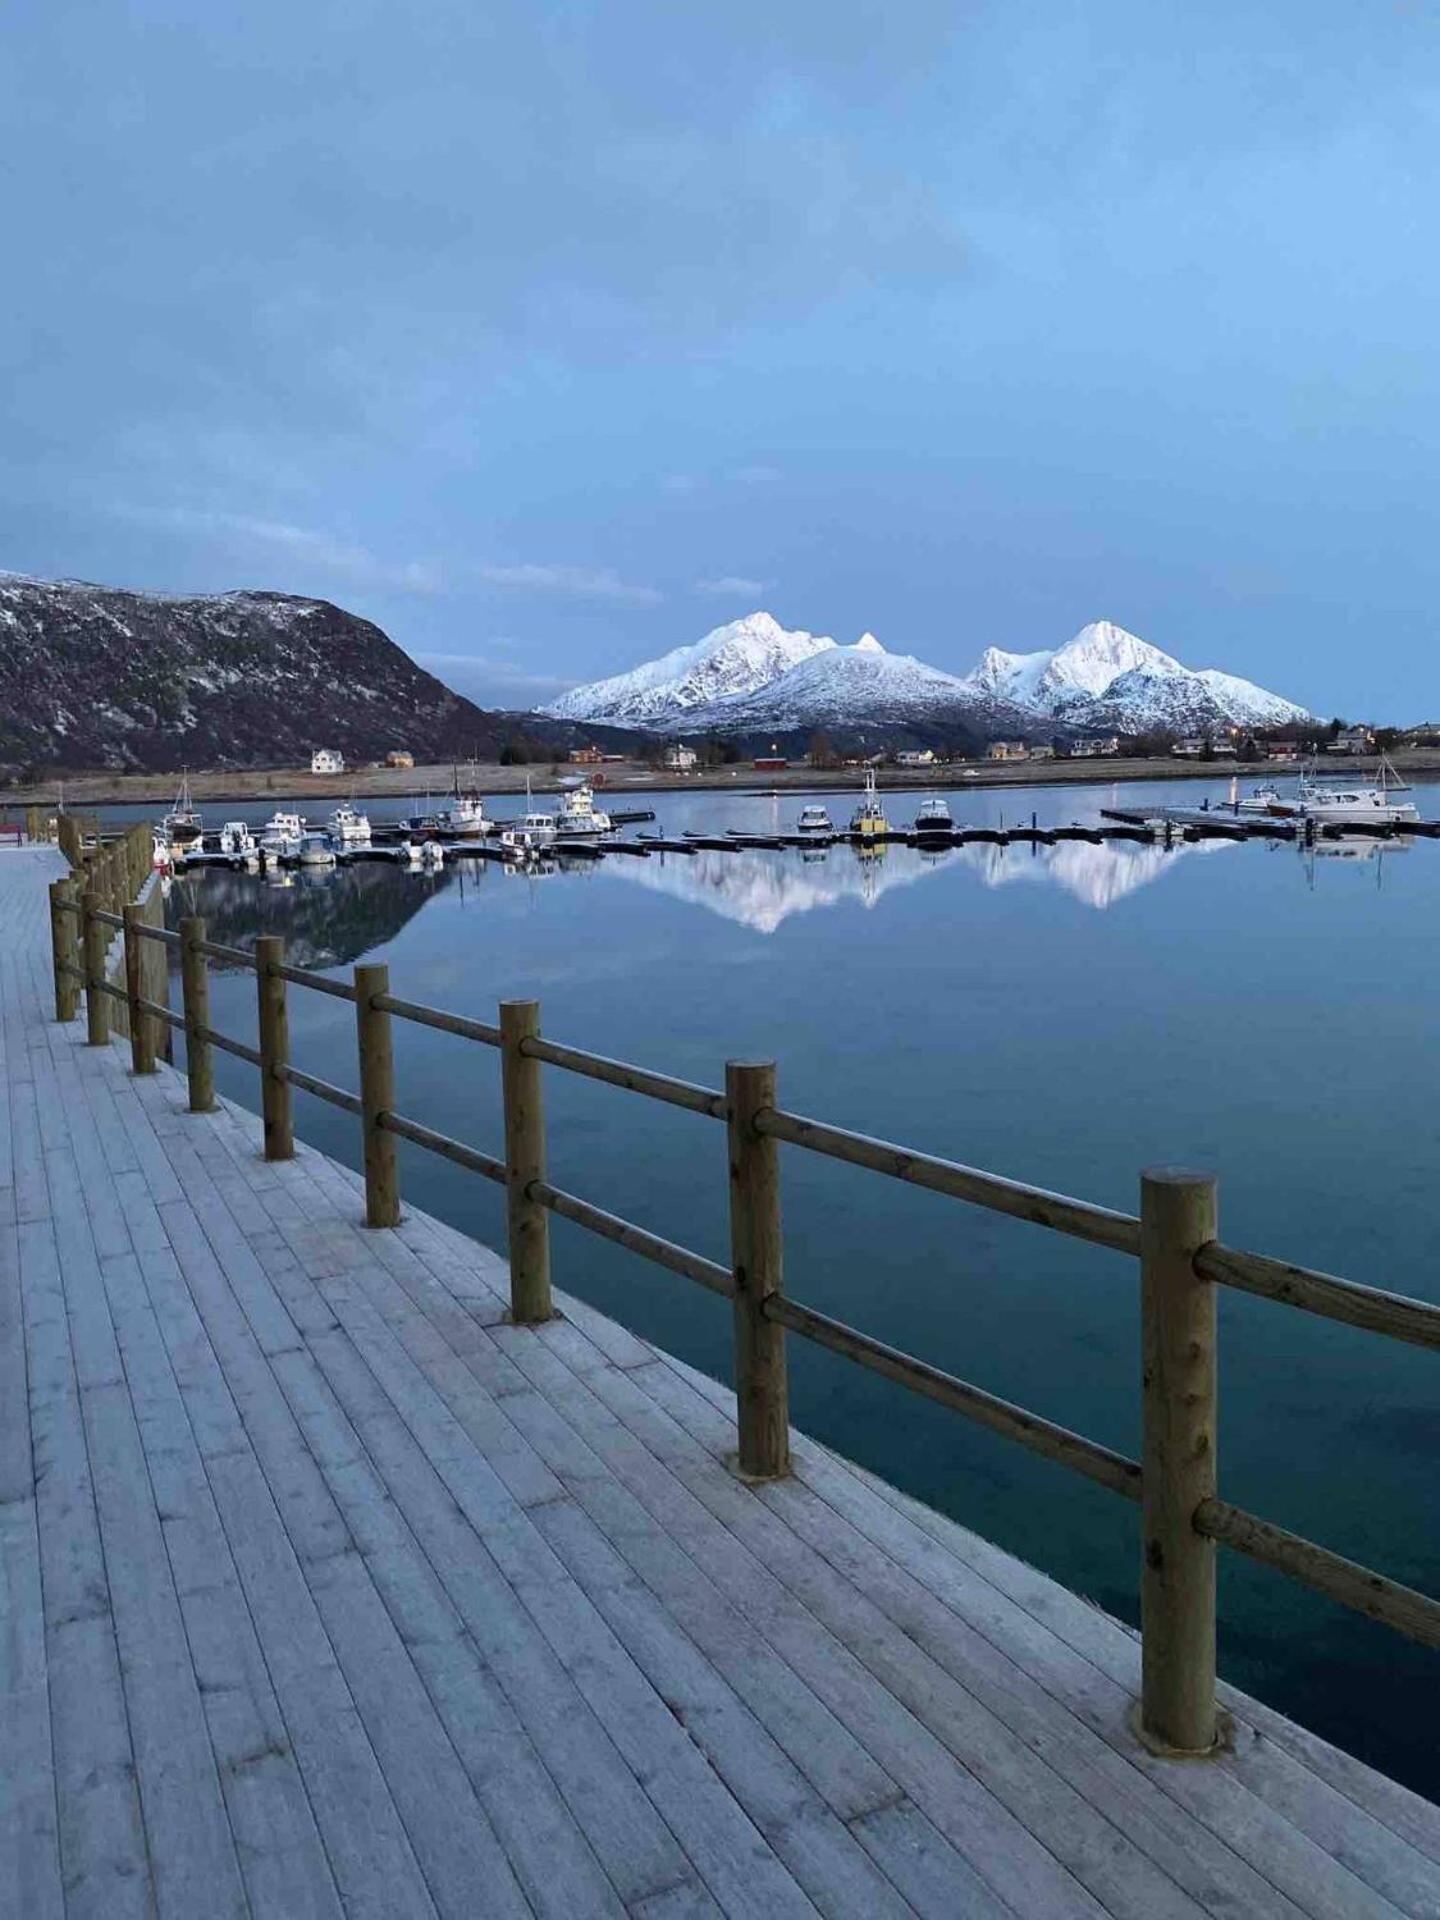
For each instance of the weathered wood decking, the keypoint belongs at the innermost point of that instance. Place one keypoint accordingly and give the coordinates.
(325, 1591)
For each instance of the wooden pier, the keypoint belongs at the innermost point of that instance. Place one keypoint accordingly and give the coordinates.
(331, 1587)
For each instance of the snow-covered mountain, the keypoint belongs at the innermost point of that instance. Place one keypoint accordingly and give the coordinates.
(1108, 678)
(853, 687)
(754, 676)
(735, 659)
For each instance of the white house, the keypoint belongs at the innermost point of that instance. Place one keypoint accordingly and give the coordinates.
(915, 757)
(327, 760)
(1352, 740)
(681, 759)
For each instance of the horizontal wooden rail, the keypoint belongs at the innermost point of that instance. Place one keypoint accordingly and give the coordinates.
(650, 1246)
(68, 966)
(162, 934)
(108, 986)
(441, 1143)
(316, 982)
(618, 1073)
(1414, 1614)
(322, 1089)
(108, 919)
(159, 1011)
(423, 1016)
(232, 956)
(1396, 1314)
(1045, 1437)
(226, 1045)
(1101, 1226)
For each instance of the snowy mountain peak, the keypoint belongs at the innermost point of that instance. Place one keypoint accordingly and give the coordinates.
(1108, 677)
(755, 674)
(735, 659)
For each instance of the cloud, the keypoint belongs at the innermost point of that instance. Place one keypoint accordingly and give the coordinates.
(309, 547)
(732, 586)
(492, 682)
(582, 583)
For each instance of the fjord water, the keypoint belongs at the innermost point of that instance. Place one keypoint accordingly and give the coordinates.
(1066, 1017)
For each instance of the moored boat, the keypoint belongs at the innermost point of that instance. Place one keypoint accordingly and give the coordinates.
(347, 827)
(315, 850)
(933, 816)
(815, 819)
(465, 816)
(868, 821)
(579, 816)
(237, 842)
(182, 825)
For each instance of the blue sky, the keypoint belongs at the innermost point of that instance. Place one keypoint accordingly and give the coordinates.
(551, 336)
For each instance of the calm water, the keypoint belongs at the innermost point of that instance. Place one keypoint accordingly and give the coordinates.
(1066, 1017)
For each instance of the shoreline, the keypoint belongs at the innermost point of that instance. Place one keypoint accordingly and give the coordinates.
(379, 783)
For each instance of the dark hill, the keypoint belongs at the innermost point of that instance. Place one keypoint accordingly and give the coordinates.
(95, 677)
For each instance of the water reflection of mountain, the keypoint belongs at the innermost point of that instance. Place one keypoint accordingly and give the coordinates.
(762, 890)
(327, 920)
(1097, 876)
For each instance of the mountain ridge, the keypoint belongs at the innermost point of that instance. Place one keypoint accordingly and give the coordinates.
(752, 674)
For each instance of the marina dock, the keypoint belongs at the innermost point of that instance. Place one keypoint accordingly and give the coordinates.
(329, 1590)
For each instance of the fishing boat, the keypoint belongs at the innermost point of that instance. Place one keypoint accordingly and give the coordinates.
(182, 825)
(934, 816)
(347, 827)
(315, 850)
(280, 838)
(237, 842)
(815, 820)
(465, 816)
(532, 833)
(579, 815)
(868, 821)
(1357, 805)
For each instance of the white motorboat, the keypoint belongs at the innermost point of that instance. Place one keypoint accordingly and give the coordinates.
(532, 833)
(347, 827)
(182, 825)
(464, 816)
(814, 820)
(579, 815)
(934, 816)
(316, 850)
(237, 842)
(1357, 805)
(282, 826)
(432, 854)
(868, 821)
(1267, 799)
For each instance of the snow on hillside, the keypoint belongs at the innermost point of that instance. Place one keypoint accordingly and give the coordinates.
(755, 675)
(1106, 677)
(734, 659)
(843, 686)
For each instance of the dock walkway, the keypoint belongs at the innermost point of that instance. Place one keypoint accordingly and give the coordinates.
(324, 1591)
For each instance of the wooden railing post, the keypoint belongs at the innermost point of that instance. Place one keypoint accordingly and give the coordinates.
(61, 948)
(761, 1389)
(524, 1162)
(1177, 1580)
(377, 1096)
(275, 1096)
(195, 986)
(142, 1027)
(97, 1014)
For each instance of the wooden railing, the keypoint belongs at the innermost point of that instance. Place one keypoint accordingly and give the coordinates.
(1174, 1237)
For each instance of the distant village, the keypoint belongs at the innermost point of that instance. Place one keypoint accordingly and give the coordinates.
(680, 757)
